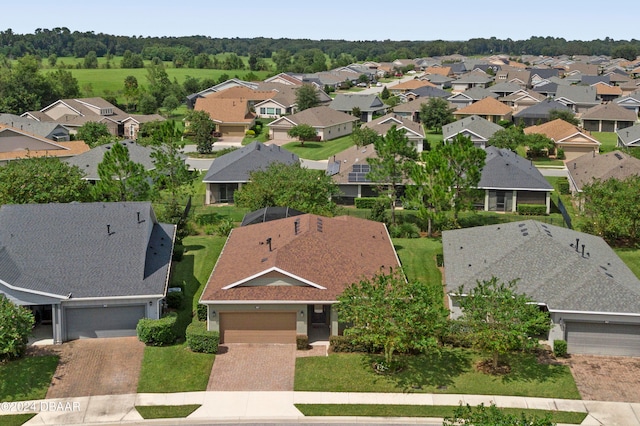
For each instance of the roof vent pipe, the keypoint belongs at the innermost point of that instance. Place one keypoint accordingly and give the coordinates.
(269, 243)
(583, 250)
(577, 241)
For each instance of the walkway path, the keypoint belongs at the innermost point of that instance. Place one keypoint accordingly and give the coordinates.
(247, 405)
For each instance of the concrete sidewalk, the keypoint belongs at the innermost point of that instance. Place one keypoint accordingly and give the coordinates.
(272, 406)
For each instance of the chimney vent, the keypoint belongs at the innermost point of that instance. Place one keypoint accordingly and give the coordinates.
(583, 250)
(269, 243)
(577, 242)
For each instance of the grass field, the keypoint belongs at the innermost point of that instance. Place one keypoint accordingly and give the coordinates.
(166, 411)
(26, 378)
(609, 140)
(417, 256)
(631, 257)
(381, 410)
(319, 150)
(16, 419)
(451, 371)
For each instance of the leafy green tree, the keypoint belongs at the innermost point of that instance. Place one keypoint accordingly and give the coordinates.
(390, 312)
(24, 88)
(510, 138)
(363, 78)
(309, 61)
(121, 179)
(628, 52)
(610, 210)
(53, 60)
(282, 59)
(363, 136)
(191, 84)
(385, 94)
(159, 84)
(291, 185)
(17, 322)
(564, 114)
(91, 132)
(131, 91)
(170, 104)
(200, 130)
(42, 180)
(303, 132)
(64, 84)
(392, 101)
(356, 112)
(501, 320)
(131, 60)
(202, 60)
(306, 97)
(538, 145)
(390, 167)
(436, 113)
(90, 60)
(493, 416)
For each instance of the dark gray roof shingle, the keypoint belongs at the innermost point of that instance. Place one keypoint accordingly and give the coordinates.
(504, 169)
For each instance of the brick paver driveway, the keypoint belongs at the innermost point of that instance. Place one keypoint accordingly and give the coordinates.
(607, 378)
(253, 367)
(88, 367)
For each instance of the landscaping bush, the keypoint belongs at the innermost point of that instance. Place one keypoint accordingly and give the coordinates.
(225, 227)
(178, 252)
(250, 133)
(174, 299)
(199, 339)
(158, 332)
(404, 230)
(207, 219)
(379, 212)
(439, 260)
(532, 209)
(201, 312)
(346, 344)
(365, 202)
(560, 348)
(560, 154)
(563, 186)
(302, 341)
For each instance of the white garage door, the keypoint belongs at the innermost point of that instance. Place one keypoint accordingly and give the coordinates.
(112, 321)
(603, 339)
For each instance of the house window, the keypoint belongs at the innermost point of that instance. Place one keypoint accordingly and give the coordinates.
(278, 111)
(263, 111)
(271, 111)
(132, 131)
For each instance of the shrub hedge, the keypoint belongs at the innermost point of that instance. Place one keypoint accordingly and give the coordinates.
(560, 348)
(563, 187)
(178, 252)
(365, 202)
(532, 209)
(174, 299)
(302, 341)
(158, 332)
(201, 340)
(346, 344)
(201, 312)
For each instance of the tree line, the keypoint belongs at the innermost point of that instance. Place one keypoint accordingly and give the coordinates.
(61, 41)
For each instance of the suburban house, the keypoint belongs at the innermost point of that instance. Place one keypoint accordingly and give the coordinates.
(349, 169)
(630, 102)
(73, 113)
(468, 97)
(573, 140)
(88, 161)
(591, 167)
(470, 80)
(591, 295)
(16, 144)
(477, 128)
(424, 92)
(329, 123)
(522, 99)
(439, 81)
(286, 79)
(292, 272)
(538, 113)
(578, 98)
(86, 269)
(228, 84)
(503, 89)
(607, 92)
(230, 171)
(629, 137)
(284, 100)
(488, 108)
(411, 110)
(52, 131)
(370, 105)
(509, 180)
(413, 131)
(409, 85)
(609, 117)
(233, 109)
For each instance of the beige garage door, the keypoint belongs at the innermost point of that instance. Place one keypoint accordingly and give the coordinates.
(231, 130)
(280, 134)
(263, 327)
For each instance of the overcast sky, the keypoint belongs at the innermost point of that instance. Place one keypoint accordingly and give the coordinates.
(331, 19)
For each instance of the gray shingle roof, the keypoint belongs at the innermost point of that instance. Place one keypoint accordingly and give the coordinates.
(347, 101)
(541, 109)
(630, 135)
(544, 260)
(504, 169)
(88, 161)
(430, 92)
(578, 94)
(65, 248)
(237, 165)
(475, 124)
(38, 128)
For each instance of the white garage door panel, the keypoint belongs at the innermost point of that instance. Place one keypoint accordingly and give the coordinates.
(603, 339)
(112, 321)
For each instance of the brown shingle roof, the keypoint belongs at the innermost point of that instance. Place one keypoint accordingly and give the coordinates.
(557, 130)
(326, 252)
(612, 165)
(605, 89)
(73, 148)
(225, 110)
(412, 84)
(486, 106)
(610, 111)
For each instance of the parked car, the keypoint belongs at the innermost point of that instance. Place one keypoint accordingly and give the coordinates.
(362, 84)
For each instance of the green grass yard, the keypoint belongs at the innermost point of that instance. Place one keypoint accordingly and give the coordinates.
(319, 150)
(631, 257)
(450, 371)
(166, 411)
(16, 419)
(417, 256)
(27, 378)
(609, 140)
(380, 410)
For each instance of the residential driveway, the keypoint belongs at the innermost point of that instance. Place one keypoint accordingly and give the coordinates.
(607, 378)
(89, 367)
(253, 367)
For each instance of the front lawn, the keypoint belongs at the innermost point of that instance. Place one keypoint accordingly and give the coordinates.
(380, 410)
(452, 371)
(631, 257)
(319, 150)
(16, 419)
(175, 368)
(608, 140)
(166, 411)
(26, 378)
